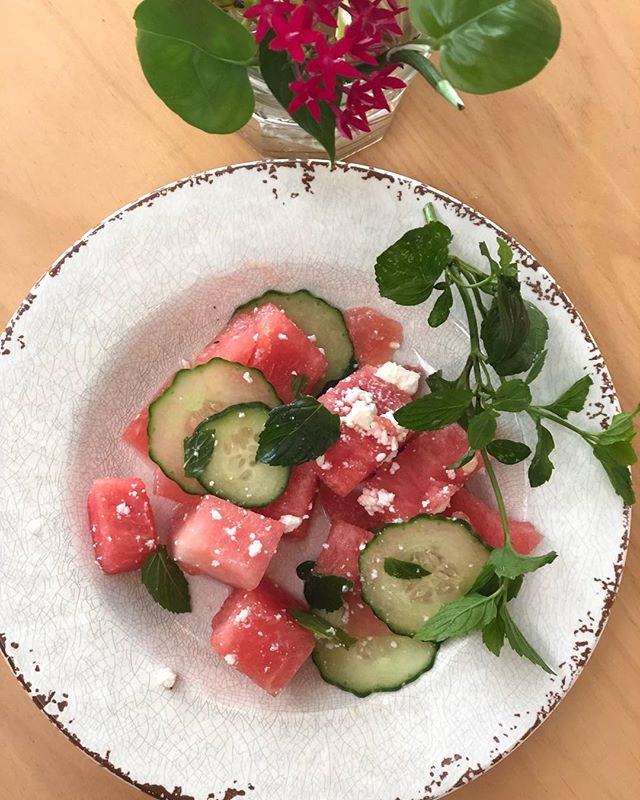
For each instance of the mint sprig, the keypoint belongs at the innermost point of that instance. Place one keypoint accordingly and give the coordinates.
(508, 339)
(165, 582)
(322, 591)
(404, 570)
(321, 628)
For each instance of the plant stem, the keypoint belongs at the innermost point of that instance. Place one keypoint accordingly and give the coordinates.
(421, 63)
(474, 334)
(542, 412)
(499, 498)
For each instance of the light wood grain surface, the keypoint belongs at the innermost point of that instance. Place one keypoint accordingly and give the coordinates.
(556, 163)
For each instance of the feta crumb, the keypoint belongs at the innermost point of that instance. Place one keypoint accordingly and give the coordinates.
(122, 510)
(361, 415)
(255, 548)
(450, 473)
(231, 659)
(374, 573)
(241, 414)
(150, 544)
(393, 643)
(394, 468)
(184, 363)
(255, 337)
(215, 563)
(34, 526)
(324, 465)
(380, 457)
(242, 615)
(375, 501)
(404, 379)
(246, 376)
(321, 349)
(274, 647)
(394, 345)
(165, 677)
(215, 514)
(230, 531)
(312, 337)
(283, 337)
(290, 522)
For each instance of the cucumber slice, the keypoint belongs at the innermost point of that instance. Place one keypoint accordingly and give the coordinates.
(195, 394)
(316, 318)
(447, 548)
(233, 472)
(374, 664)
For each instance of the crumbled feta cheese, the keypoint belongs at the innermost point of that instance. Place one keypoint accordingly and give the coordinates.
(450, 473)
(184, 363)
(165, 677)
(374, 501)
(312, 337)
(246, 376)
(255, 337)
(290, 522)
(150, 544)
(255, 548)
(404, 379)
(242, 615)
(215, 563)
(355, 393)
(393, 643)
(230, 531)
(380, 457)
(231, 659)
(361, 415)
(283, 337)
(324, 465)
(274, 647)
(394, 345)
(215, 514)
(321, 349)
(374, 573)
(123, 510)
(394, 468)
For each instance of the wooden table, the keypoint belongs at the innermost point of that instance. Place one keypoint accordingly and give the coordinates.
(556, 163)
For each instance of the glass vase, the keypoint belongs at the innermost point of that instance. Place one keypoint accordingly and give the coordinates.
(274, 134)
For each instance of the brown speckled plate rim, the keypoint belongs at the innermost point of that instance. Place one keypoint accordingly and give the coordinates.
(593, 626)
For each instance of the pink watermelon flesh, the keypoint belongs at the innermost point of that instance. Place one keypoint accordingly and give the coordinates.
(294, 507)
(253, 632)
(357, 454)
(375, 337)
(418, 480)
(265, 338)
(232, 544)
(344, 509)
(339, 556)
(341, 551)
(122, 524)
(486, 523)
(165, 487)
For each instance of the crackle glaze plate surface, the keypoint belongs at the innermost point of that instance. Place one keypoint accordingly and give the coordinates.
(89, 345)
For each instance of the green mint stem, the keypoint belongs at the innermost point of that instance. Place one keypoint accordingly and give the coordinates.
(422, 64)
(538, 411)
(429, 212)
(499, 498)
(474, 334)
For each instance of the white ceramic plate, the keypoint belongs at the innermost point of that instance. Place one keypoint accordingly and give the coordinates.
(88, 346)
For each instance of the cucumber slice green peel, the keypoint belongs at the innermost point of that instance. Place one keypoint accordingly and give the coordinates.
(231, 471)
(315, 317)
(447, 548)
(195, 394)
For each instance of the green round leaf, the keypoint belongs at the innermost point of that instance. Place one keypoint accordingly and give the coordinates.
(195, 58)
(481, 430)
(489, 45)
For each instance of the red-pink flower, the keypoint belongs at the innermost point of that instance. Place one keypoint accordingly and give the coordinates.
(266, 12)
(293, 33)
(324, 11)
(329, 62)
(308, 93)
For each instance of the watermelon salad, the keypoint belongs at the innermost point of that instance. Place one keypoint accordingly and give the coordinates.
(232, 440)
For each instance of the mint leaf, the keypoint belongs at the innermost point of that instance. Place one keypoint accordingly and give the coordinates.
(322, 591)
(620, 453)
(297, 432)
(620, 428)
(298, 382)
(532, 346)
(513, 587)
(573, 399)
(509, 564)
(442, 308)
(619, 475)
(481, 430)
(435, 410)
(536, 367)
(461, 616)
(541, 465)
(493, 635)
(408, 270)
(505, 255)
(437, 383)
(165, 582)
(465, 459)
(198, 449)
(486, 574)
(405, 570)
(508, 452)
(518, 642)
(513, 395)
(506, 325)
(321, 628)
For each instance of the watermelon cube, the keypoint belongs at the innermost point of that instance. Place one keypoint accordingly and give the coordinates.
(375, 337)
(264, 337)
(293, 508)
(165, 487)
(122, 524)
(344, 509)
(232, 544)
(368, 433)
(135, 434)
(418, 480)
(339, 556)
(254, 633)
(486, 522)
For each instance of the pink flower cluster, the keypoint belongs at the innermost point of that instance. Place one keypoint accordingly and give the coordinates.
(344, 73)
